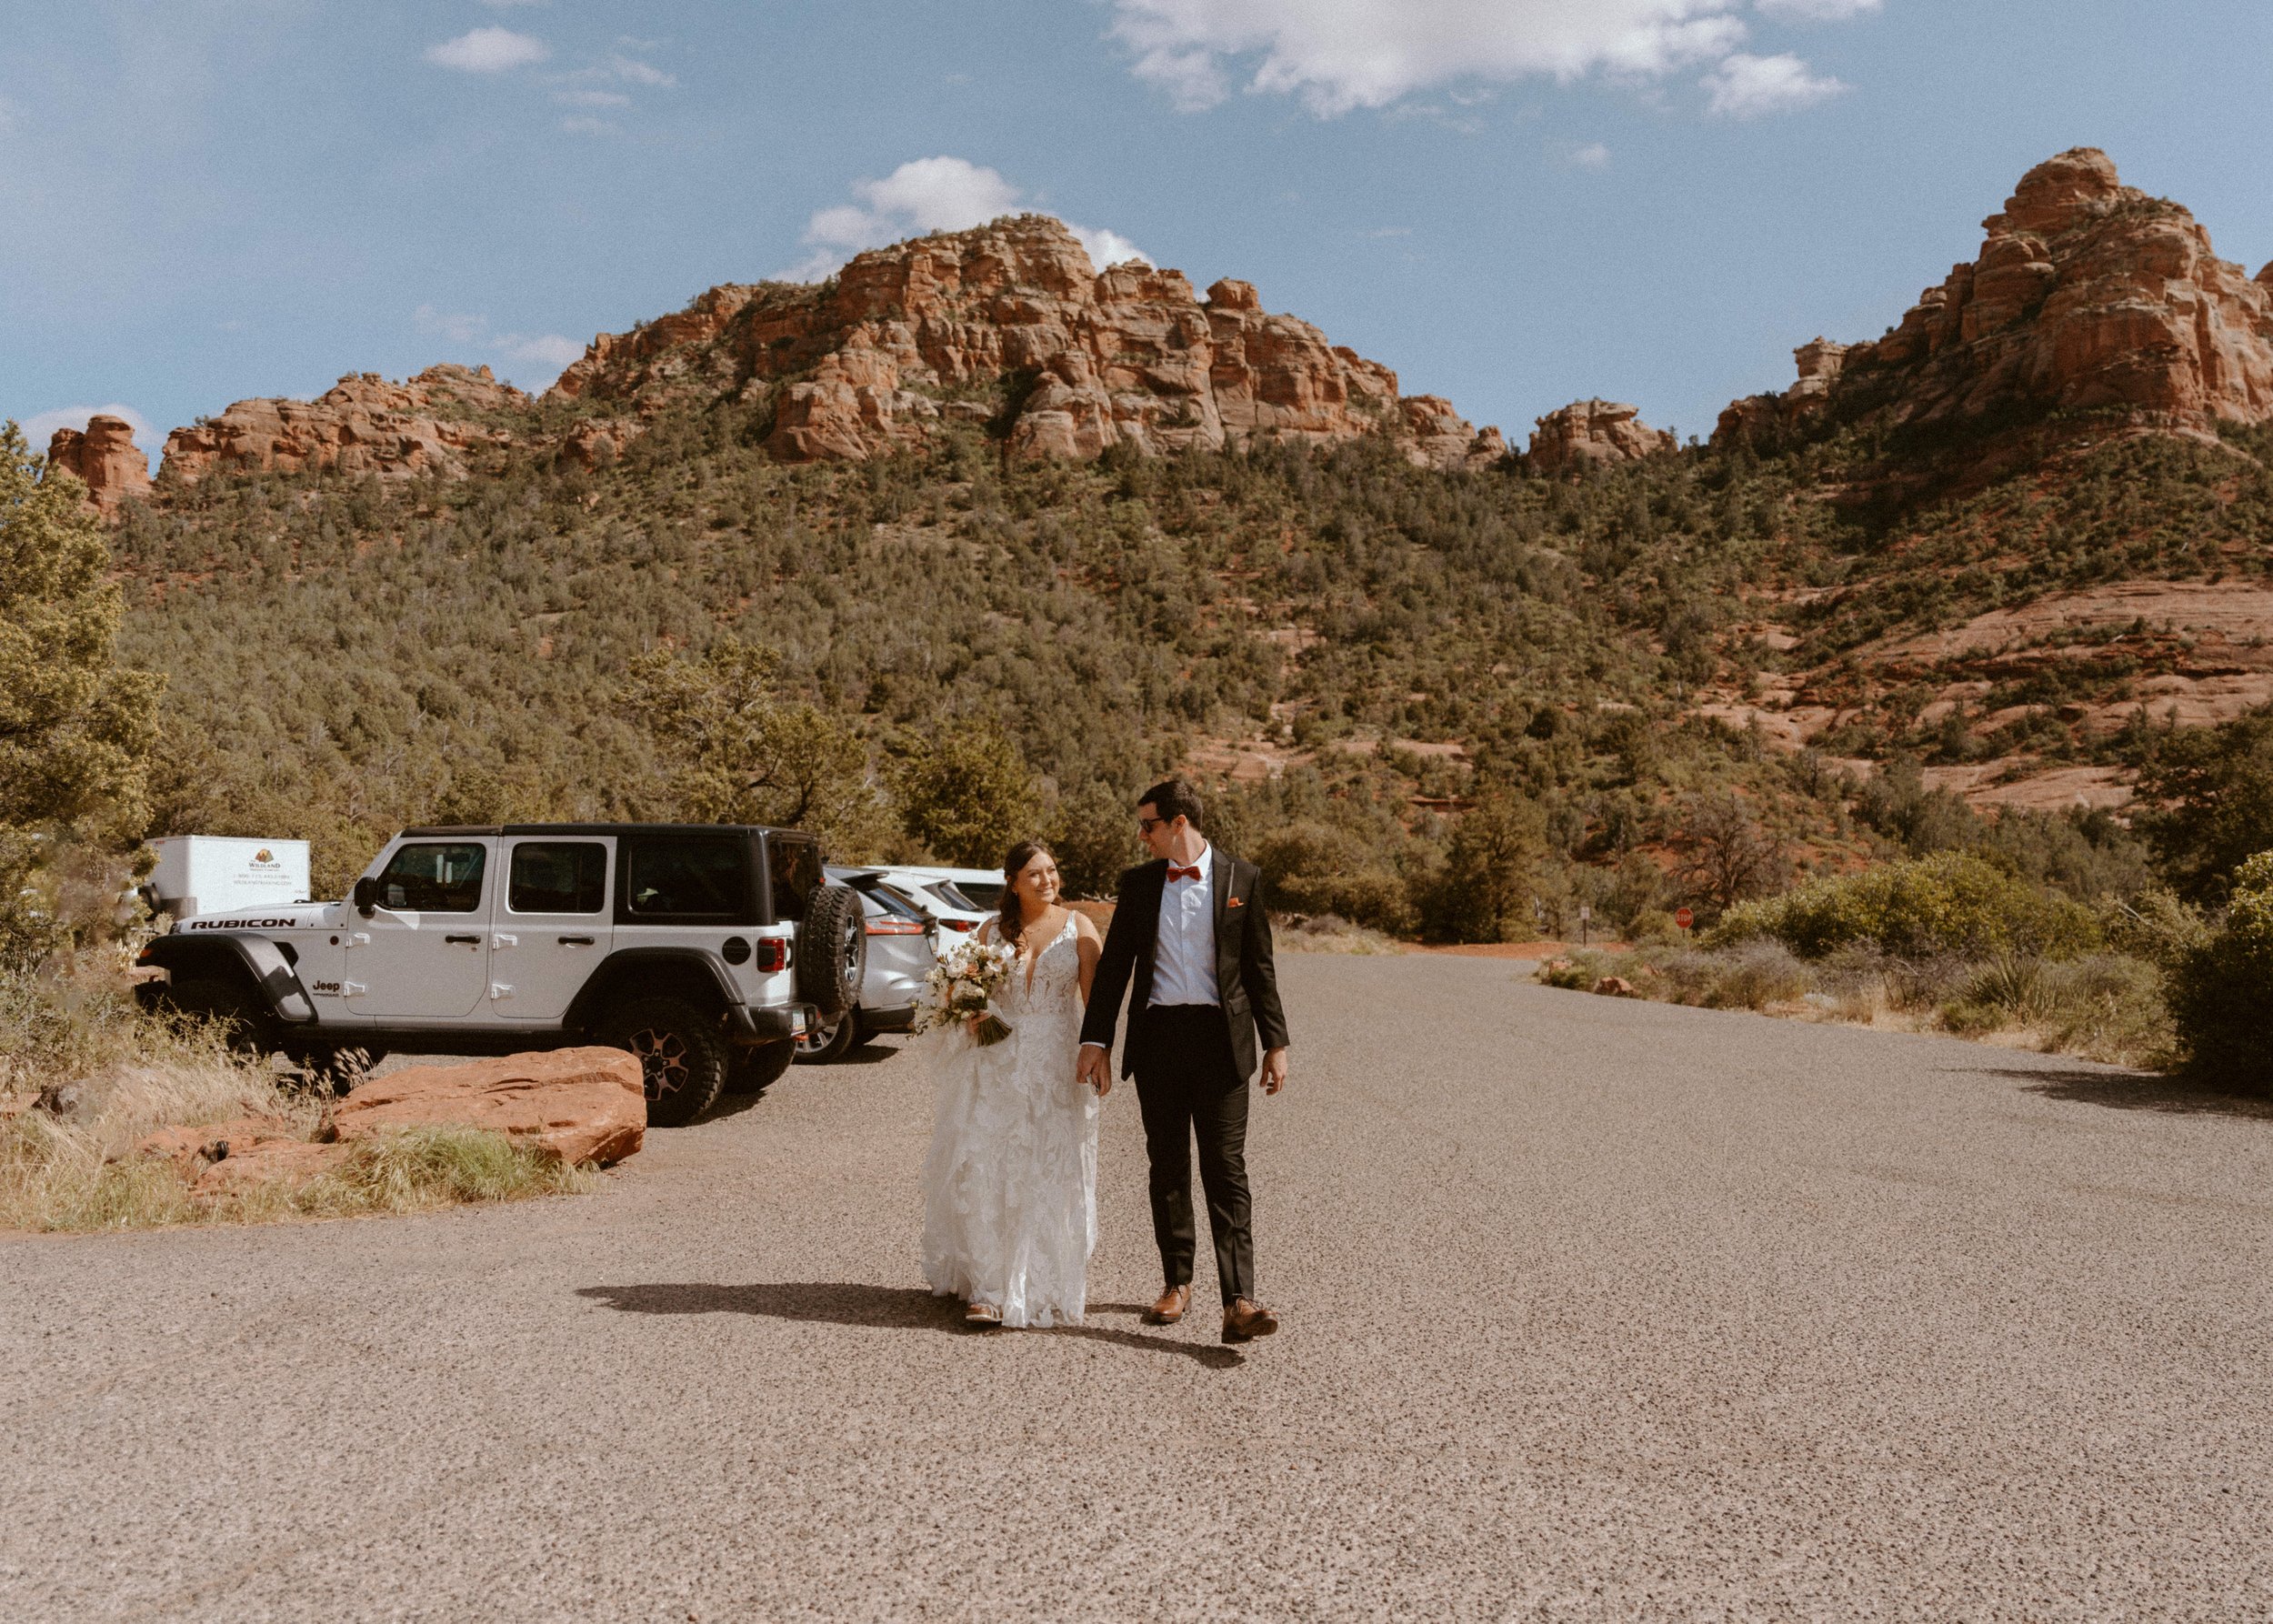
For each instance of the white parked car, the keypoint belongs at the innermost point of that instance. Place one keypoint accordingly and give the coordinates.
(707, 950)
(961, 900)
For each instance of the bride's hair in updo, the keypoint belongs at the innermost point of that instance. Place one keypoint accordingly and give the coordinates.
(1013, 866)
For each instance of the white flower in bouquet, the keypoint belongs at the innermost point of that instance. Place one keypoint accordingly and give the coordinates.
(962, 986)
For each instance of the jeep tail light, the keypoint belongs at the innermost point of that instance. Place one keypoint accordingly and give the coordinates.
(895, 927)
(773, 953)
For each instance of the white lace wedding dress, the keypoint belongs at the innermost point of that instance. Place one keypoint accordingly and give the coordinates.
(1010, 1208)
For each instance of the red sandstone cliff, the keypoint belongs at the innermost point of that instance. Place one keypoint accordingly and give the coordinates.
(2088, 296)
(1009, 323)
(105, 457)
(363, 425)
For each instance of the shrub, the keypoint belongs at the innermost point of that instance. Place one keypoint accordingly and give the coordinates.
(1750, 974)
(1578, 972)
(2219, 991)
(1948, 903)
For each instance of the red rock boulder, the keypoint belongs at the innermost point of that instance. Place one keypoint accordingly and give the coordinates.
(434, 423)
(584, 1105)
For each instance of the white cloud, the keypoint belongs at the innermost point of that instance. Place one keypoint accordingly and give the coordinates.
(1745, 86)
(634, 71)
(39, 430)
(591, 98)
(1593, 156)
(941, 193)
(1817, 11)
(1340, 55)
(539, 356)
(489, 51)
(1337, 55)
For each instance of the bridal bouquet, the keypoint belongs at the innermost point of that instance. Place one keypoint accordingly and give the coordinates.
(963, 984)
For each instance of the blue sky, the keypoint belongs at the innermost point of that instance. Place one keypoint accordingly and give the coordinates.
(1515, 203)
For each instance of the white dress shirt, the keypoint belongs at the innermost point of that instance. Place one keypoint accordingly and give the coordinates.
(1184, 960)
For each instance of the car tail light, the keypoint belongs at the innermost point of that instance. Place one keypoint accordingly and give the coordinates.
(957, 923)
(773, 953)
(896, 928)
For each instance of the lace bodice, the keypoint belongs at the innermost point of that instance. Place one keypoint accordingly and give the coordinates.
(1055, 992)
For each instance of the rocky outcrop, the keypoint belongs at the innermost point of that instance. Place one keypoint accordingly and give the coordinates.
(431, 424)
(1009, 323)
(2088, 296)
(1593, 434)
(584, 1105)
(105, 457)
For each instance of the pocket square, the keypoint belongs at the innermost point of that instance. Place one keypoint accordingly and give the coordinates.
(1235, 902)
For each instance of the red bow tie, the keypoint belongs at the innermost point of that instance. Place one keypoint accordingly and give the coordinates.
(1175, 873)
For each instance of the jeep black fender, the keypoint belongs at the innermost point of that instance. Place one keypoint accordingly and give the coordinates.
(696, 973)
(238, 954)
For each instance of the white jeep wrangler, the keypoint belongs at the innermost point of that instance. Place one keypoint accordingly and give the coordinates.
(706, 950)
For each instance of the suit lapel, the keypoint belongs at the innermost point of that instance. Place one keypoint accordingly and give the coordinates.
(1225, 876)
(1156, 886)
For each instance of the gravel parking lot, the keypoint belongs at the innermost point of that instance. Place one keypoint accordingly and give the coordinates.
(1594, 1310)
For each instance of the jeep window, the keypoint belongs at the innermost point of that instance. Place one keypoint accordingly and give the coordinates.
(795, 869)
(671, 877)
(558, 877)
(432, 879)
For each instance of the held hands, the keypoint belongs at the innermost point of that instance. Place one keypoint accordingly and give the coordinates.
(1274, 1071)
(1094, 1068)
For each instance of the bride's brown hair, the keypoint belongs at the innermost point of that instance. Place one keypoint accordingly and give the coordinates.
(1013, 866)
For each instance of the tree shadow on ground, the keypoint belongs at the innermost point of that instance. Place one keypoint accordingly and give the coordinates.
(890, 1307)
(2137, 1091)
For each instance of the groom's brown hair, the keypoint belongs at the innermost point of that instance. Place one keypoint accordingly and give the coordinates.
(1174, 799)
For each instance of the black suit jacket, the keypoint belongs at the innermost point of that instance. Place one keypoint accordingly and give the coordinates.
(1247, 976)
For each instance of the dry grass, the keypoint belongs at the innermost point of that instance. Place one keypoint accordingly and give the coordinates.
(2107, 1008)
(83, 1078)
(1330, 933)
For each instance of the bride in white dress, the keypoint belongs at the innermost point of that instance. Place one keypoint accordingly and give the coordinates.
(1010, 1208)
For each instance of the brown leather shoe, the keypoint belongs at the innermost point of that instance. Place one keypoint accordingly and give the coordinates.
(1171, 1309)
(1243, 1321)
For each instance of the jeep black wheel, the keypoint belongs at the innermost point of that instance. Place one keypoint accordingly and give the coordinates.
(682, 1050)
(830, 1041)
(755, 1069)
(832, 952)
(245, 1024)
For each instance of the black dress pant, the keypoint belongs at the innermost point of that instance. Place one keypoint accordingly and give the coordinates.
(1187, 1086)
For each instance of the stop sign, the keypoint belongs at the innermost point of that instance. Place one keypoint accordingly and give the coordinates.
(1683, 917)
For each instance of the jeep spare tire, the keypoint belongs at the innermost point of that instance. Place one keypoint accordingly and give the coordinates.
(832, 951)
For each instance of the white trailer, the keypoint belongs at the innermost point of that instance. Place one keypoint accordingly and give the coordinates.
(214, 874)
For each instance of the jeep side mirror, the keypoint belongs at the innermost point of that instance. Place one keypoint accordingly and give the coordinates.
(367, 896)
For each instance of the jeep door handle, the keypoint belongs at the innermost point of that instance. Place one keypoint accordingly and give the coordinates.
(575, 941)
(471, 941)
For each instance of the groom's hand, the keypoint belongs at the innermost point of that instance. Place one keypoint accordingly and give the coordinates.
(1274, 1071)
(1094, 1068)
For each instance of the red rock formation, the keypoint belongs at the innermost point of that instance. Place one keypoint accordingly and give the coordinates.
(2088, 297)
(1590, 433)
(581, 1104)
(105, 457)
(1013, 317)
(363, 425)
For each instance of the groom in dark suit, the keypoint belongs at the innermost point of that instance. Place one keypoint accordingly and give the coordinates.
(1190, 929)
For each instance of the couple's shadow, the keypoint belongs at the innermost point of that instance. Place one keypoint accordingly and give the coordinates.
(889, 1307)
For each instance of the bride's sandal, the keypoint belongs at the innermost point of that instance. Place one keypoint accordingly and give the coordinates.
(985, 1316)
